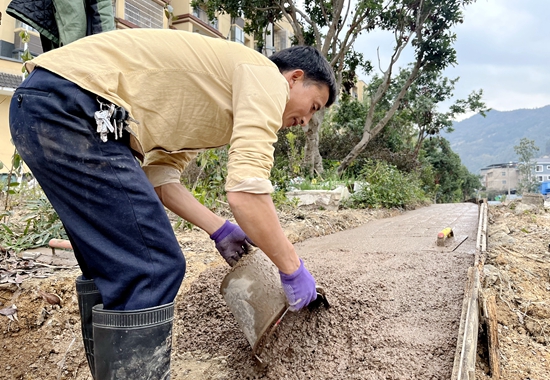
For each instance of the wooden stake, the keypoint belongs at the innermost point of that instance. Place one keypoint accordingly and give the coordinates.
(492, 337)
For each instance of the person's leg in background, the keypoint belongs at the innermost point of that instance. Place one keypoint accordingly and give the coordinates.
(122, 236)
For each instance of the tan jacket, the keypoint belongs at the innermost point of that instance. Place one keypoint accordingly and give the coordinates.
(188, 93)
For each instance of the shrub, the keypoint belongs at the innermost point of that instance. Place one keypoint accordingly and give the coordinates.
(385, 186)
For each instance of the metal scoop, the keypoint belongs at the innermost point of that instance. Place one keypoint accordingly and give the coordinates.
(253, 292)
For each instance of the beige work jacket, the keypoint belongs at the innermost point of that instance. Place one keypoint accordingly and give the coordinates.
(188, 93)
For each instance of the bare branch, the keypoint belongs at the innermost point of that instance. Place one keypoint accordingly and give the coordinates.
(352, 33)
(312, 24)
(293, 20)
(333, 32)
(323, 9)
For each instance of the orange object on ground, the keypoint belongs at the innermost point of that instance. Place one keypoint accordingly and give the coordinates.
(444, 234)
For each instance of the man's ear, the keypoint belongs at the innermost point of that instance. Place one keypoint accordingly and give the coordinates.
(294, 76)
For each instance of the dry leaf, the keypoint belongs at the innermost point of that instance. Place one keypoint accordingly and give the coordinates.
(10, 312)
(52, 299)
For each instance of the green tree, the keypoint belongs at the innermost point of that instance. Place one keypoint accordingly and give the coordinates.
(453, 181)
(420, 104)
(333, 27)
(526, 151)
(428, 26)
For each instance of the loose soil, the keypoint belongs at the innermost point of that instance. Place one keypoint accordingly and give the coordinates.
(517, 273)
(355, 339)
(45, 340)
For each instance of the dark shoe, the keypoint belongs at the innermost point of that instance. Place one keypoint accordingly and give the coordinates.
(134, 344)
(88, 296)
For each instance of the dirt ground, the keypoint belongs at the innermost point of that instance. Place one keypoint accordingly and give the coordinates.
(44, 342)
(517, 272)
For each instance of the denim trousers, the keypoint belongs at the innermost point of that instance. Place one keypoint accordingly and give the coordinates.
(119, 230)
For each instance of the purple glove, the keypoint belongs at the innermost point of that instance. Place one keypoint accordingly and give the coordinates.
(231, 242)
(299, 287)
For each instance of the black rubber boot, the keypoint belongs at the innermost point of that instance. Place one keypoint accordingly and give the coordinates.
(88, 296)
(133, 344)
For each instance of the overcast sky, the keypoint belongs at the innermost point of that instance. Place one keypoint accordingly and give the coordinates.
(503, 47)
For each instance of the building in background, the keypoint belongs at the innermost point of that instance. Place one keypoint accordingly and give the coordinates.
(11, 76)
(541, 169)
(501, 178)
(128, 14)
(359, 90)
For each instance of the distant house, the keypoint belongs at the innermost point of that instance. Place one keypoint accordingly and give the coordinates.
(359, 90)
(541, 168)
(501, 177)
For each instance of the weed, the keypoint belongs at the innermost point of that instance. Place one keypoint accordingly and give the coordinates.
(35, 228)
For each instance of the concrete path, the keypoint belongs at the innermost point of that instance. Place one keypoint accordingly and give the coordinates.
(396, 301)
(414, 230)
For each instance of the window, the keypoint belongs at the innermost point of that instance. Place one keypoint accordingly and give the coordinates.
(504, 174)
(22, 25)
(144, 13)
(539, 168)
(203, 16)
(547, 167)
(504, 182)
(280, 39)
(539, 178)
(237, 34)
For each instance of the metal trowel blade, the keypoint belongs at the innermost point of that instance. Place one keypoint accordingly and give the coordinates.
(320, 300)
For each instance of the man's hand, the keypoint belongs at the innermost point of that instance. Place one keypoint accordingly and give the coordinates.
(299, 287)
(232, 242)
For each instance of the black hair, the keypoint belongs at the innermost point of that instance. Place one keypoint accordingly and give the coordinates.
(316, 67)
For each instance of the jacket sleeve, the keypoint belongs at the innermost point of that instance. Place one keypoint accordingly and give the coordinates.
(260, 94)
(76, 20)
(162, 167)
(39, 14)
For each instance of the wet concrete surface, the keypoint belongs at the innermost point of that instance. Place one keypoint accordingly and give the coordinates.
(395, 298)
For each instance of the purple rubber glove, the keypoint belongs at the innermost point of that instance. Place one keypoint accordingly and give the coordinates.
(232, 242)
(299, 287)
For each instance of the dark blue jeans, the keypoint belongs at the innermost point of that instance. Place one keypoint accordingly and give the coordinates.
(117, 225)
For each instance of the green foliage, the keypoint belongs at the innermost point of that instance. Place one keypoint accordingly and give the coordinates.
(38, 225)
(385, 186)
(295, 155)
(208, 186)
(526, 151)
(11, 182)
(454, 182)
(169, 12)
(288, 155)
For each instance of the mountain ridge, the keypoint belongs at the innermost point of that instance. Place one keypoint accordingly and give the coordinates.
(482, 141)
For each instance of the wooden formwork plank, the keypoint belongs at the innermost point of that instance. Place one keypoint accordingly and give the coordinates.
(466, 349)
(492, 336)
(483, 228)
(467, 333)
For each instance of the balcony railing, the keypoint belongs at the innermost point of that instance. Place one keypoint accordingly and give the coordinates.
(144, 13)
(203, 16)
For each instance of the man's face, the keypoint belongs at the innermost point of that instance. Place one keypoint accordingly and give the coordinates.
(304, 100)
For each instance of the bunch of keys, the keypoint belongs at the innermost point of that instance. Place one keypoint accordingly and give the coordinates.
(106, 114)
(103, 120)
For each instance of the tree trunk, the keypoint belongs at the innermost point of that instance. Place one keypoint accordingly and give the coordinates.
(313, 162)
(370, 132)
